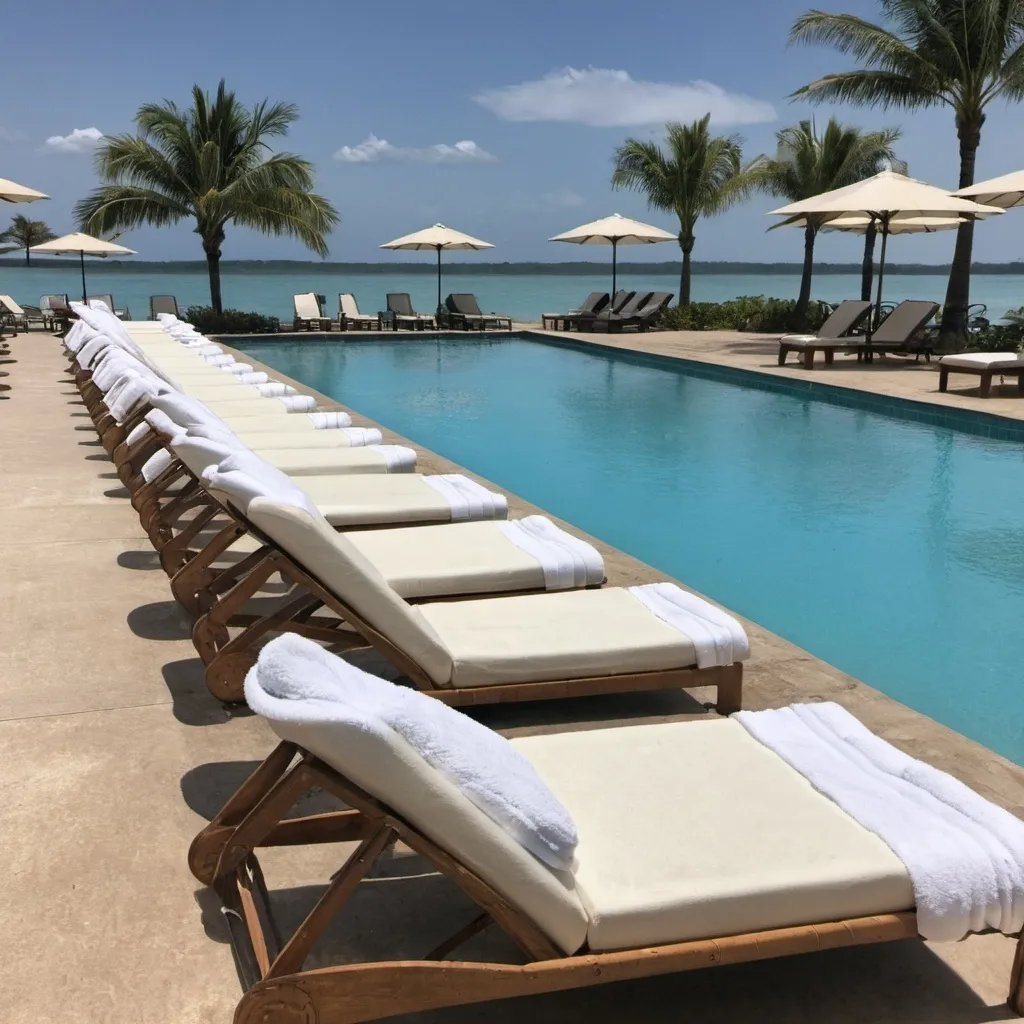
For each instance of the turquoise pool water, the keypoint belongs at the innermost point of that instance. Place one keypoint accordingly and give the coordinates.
(892, 549)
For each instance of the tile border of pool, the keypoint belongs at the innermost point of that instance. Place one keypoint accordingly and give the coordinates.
(969, 421)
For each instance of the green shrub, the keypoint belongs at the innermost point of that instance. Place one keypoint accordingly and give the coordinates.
(745, 313)
(231, 321)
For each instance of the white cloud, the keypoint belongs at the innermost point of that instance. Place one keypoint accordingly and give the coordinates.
(602, 97)
(374, 150)
(81, 140)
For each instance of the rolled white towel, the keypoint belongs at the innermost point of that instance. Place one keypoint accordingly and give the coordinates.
(466, 498)
(717, 638)
(235, 368)
(275, 389)
(163, 424)
(398, 458)
(167, 319)
(360, 437)
(330, 420)
(156, 464)
(137, 433)
(567, 561)
(297, 403)
(223, 359)
(133, 390)
(253, 377)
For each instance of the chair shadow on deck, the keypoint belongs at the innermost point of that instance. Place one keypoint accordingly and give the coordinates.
(191, 701)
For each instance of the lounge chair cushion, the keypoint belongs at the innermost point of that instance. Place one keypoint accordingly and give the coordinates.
(386, 765)
(537, 637)
(457, 558)
(343, 570)
(984, 361)
(695, 830)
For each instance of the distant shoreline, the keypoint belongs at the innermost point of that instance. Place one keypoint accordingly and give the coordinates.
(11, 264)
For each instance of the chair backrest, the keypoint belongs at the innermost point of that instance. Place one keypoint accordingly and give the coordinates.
(654, 304)
(55, 303)
(347, 305)
(630, 307)
(619, 299)
(11, 306)
(162, 304)
(904, 321)
(400, 303)
(595, 302)
(844, 318)
(464, 303)
(308, 538)
(107, 300)
(307, 307)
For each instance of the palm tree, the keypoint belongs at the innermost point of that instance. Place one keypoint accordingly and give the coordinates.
(25, 233)
(962, 54)
(808, 164)
(212, 163)
(699, 176)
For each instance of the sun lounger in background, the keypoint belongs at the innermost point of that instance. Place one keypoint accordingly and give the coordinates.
(842, 321)
(645, 315)
(162, 304)
(625, 311)
(12, 315)
(308, 314)
(349, 317)
(464, 313)
(56, 311)
(621, 300)
(604, 855)
(895, 334)
(593, 303)
(401, 316)
(984, 365)
(108, 301)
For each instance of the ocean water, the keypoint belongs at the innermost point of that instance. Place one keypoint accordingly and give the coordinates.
(892, 549)
(524, 297)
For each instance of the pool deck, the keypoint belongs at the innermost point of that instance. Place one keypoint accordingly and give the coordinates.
(113, 755)
(890, 376)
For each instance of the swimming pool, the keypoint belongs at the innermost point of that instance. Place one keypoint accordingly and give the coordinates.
(891, 548)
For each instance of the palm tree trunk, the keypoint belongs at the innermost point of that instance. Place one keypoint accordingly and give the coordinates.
(867, 268)
(212, 250)
(686, 244)
(28, 257)
(958, 292)
(804, 299)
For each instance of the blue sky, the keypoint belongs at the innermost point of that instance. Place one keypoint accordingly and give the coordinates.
(497, 119)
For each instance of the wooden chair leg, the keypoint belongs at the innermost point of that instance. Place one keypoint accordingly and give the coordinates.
(1020, 383)
(783, 352)
(986, 384)
(1015, 999)
(830, 356)
(730, 691)
(943, 378)
(808, 358)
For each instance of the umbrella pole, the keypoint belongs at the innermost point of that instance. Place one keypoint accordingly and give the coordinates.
(615, 246)
(881, 278)
(81, 257)
(438, 281)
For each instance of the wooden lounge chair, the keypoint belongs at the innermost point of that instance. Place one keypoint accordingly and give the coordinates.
(349, 317)
(625, 311)
(645, 315)
(460, 652)
(309, 316)
(898, 333)
(618, 302)
(593, 303)
(12, 315)
(842, 321)
(984, 365)
(57, 311)
(647, 895)
(464, 313)
(401, 316)
(162, 304)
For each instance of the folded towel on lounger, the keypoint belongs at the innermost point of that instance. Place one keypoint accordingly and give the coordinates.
(717, 638)
(964, 855)
(567, 561)
(468, 499)
(296, 681)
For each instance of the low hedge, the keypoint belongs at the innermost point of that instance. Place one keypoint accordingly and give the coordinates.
(745, 313)
(231, 321)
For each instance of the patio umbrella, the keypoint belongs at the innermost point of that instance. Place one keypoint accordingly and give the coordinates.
(437, 237)
(12, 192)
(1006, 191)
(615, 230)
(885, 197)
(82, 245)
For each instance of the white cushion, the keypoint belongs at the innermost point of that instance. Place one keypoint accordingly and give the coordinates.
(562, 635)
(695, 830)
(984, 361)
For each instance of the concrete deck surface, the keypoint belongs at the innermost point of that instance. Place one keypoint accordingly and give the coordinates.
(113, 754)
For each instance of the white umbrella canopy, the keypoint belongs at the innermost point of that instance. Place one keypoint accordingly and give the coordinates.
(81, 245)
(12, 192)
(885, 197)
(437, 237)
(615, 230)
(1006, 191)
